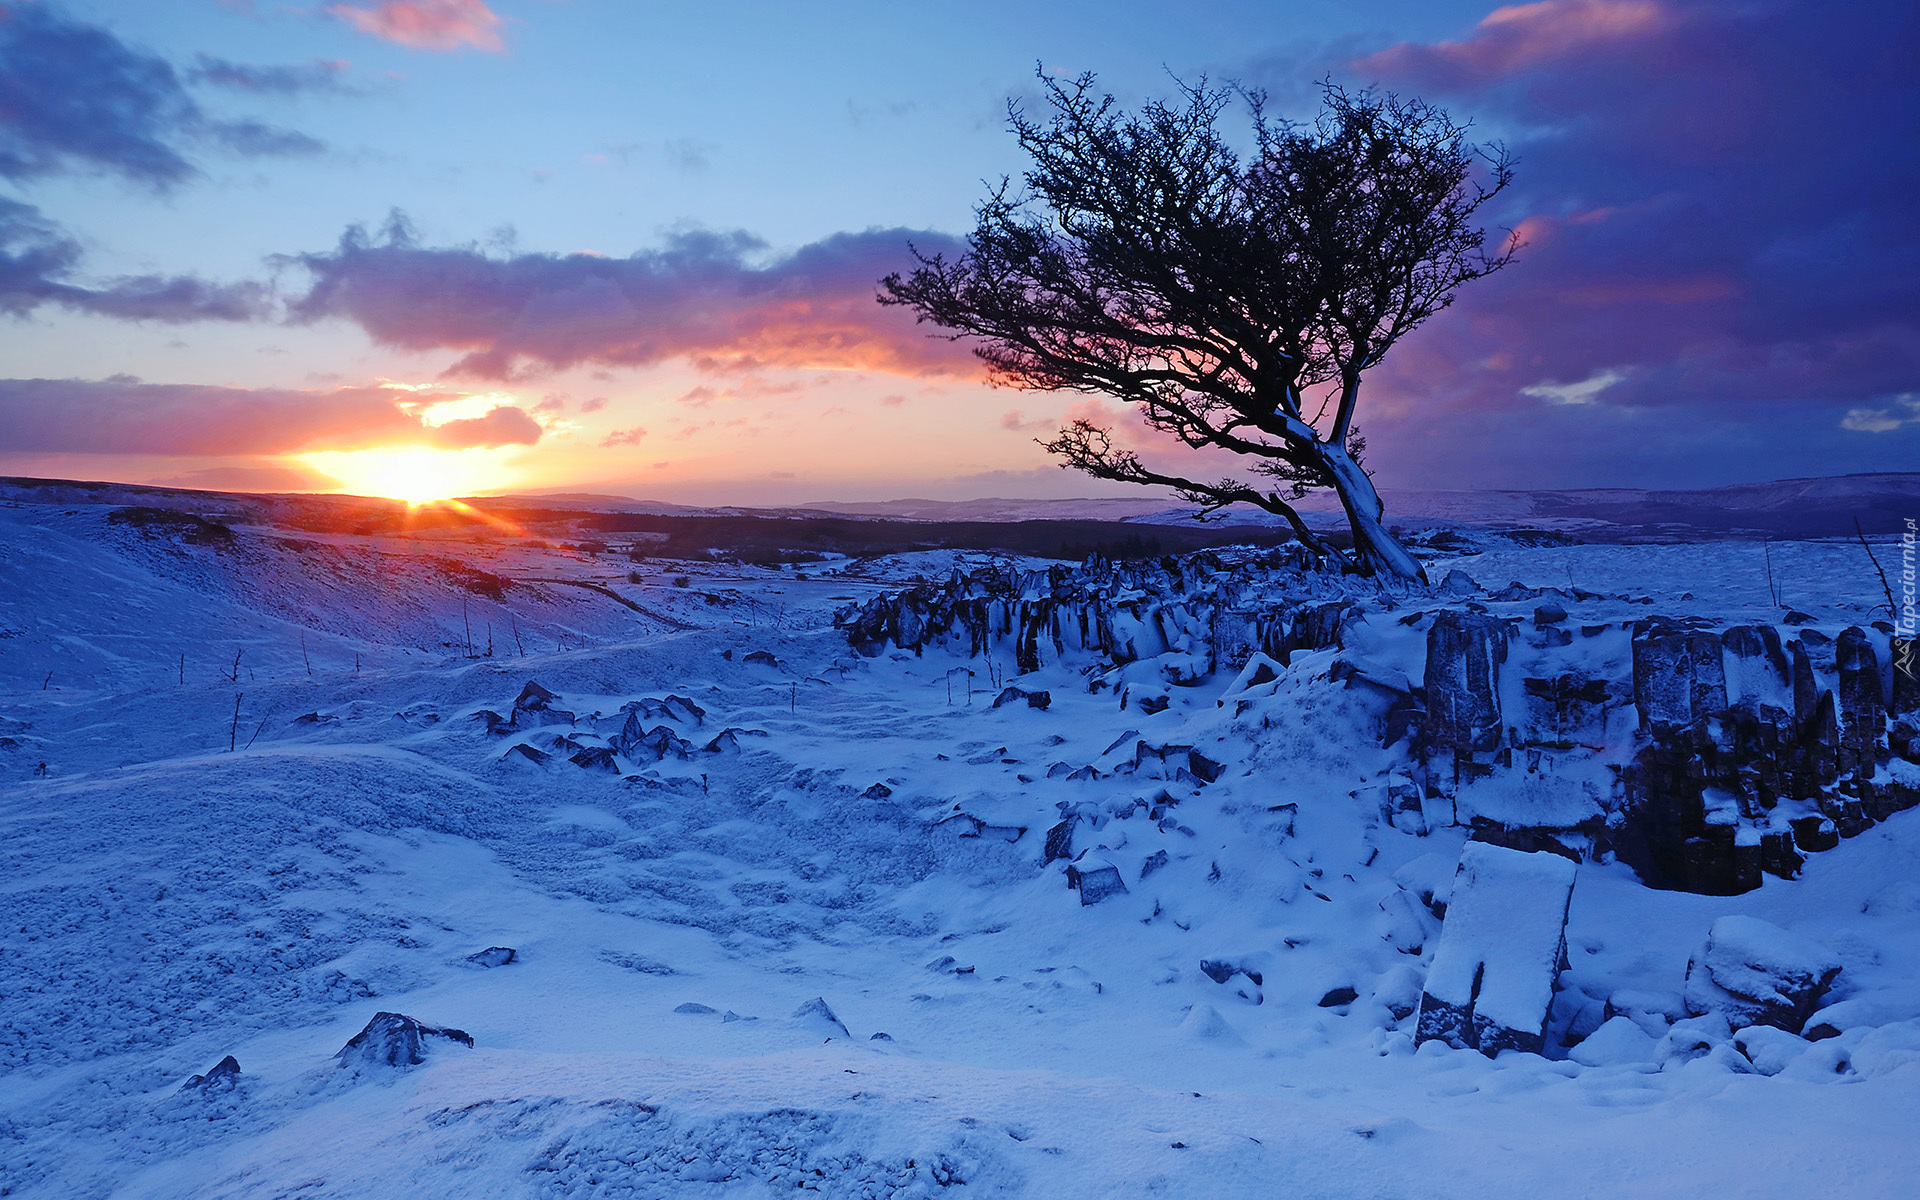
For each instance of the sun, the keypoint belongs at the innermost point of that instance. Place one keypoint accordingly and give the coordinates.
(413, 474)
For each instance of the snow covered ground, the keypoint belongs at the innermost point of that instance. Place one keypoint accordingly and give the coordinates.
(250, 799)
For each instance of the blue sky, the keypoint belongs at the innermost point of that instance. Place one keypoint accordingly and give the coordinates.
(1717, 197)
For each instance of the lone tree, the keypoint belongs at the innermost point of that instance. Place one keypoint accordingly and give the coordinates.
(1236, 304)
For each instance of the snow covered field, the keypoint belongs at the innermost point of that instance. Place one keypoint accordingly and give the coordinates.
(252, 798)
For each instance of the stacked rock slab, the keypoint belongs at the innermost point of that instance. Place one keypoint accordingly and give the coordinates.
(1500, 951)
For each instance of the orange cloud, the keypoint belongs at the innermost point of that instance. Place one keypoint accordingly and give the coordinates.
(125, 416)
(427, 24)
(1520, 36)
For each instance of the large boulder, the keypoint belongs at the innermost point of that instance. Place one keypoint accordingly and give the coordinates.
(1500, 950)
(1755, 973)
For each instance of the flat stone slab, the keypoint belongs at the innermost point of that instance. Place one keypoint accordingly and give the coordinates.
(1499, 951)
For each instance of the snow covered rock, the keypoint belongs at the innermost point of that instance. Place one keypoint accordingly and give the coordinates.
(1315, 627)
(1203, 1023)
(1096, 884)
(536, 699)
(493, 956)
(1770, 1050)
(815, 1015)
(219, 1078)
(395, 1040)
(673, 708)
(1755, 973)
(1617, 1042)
(1500, 949)
(650, 745)
(1223, 971)
(595, 758)
(1013, 695)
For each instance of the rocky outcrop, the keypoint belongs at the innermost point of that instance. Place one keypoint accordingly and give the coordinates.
(1219, 608)
(1704, 757)
(1741, 734)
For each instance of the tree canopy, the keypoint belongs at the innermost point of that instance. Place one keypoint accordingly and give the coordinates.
(1235, 301)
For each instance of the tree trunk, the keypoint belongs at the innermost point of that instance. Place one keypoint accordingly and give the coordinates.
(1375, 551)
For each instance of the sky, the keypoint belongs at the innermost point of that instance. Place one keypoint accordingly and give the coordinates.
(421, 247)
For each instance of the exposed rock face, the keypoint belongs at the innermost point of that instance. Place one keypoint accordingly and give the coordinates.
(1755, 973)
(1500, 951)
(395, 1040)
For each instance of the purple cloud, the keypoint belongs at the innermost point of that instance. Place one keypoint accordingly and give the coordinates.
(122, 416)
(702, 297)
(320, 75)
(37, 265)
(1722, 211)
(73, 95)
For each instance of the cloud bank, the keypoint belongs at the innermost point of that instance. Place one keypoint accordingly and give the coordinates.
(713, 298)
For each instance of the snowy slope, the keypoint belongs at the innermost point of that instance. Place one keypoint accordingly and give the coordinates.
(169, 902)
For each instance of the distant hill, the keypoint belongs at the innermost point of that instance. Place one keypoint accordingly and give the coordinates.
(1782, 509)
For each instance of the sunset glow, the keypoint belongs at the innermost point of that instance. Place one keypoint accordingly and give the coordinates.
(417, 476)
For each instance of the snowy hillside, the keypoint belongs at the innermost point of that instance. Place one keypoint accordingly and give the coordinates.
(684, 891)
